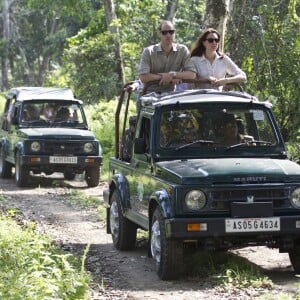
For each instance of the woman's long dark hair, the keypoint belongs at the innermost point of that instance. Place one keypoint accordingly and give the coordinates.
(199, 49)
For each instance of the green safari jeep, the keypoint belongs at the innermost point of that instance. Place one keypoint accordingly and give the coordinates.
(44, 130)
(202, 168)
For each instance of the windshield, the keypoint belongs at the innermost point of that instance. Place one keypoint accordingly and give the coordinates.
(221, 128)
(52, 113)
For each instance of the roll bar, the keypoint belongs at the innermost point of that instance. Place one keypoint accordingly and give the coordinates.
(133, 86)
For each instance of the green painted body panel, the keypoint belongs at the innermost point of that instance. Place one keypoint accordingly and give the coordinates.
(193, 171)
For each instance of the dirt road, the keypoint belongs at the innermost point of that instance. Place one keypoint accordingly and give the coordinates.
(127, 275)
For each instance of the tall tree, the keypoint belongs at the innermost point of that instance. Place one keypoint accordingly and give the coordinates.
(216, 16)
(265, 38)
(5, 44)
(112, 24)
(171, 9)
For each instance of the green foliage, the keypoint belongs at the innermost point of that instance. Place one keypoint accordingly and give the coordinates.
(32, 268)
(75, 197)
(293, 149)
(228, 270)
(263, 38)
(101, 120)
(38, 36)
(90, 55)
(280, 296)
(72, 46)
(90, 61)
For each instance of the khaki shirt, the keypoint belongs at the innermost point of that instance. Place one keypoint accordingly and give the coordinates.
(155, 60)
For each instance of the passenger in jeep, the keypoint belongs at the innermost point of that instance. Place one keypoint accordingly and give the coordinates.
(49, 112)
(30, 113)
(63, 114)
(228, 131)
(179, 129)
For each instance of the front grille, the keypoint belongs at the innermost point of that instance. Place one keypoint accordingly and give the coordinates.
(221, 199)
(61, 147)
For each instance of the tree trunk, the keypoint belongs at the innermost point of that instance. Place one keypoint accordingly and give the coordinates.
(6, 38)
(114, 30)
(171, 10)
(216, 16)
(44, 65)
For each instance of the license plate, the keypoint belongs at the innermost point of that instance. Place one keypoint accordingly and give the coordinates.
(252, 225)
(63, 160)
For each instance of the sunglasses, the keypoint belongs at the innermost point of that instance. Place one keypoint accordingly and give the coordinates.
(165, 32)
(210, 40)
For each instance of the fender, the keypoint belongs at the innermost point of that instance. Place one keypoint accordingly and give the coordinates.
(4, 145)
(19, 147)
(163, 200)
(120, 183)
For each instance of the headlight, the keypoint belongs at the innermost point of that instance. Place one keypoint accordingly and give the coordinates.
(88, 147)
(35, 146)
(295, 199)
(195, 200)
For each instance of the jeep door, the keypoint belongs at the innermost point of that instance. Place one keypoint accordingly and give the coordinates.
(140, 182)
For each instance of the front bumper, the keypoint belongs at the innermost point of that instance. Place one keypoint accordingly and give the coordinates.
(44, 161)
(177, 228)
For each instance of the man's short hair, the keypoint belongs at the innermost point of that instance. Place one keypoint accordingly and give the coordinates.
(163, 22)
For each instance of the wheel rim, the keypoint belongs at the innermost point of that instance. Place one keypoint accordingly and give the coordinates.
(1, 163)
(155, 242)
(114, 220)
(17, 169)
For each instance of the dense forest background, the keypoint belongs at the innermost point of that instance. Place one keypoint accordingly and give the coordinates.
(94, 46)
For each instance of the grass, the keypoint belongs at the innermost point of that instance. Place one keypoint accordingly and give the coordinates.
(280, 296)
(228, 270)
(101, 120)
(75, 197)
(31, 267)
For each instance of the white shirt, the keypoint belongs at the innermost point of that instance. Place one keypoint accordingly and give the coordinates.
(219, 68)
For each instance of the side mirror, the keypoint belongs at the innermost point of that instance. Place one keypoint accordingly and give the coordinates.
(139, 146)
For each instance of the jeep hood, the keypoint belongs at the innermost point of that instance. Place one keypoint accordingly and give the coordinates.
(58, 133)
(228, 170)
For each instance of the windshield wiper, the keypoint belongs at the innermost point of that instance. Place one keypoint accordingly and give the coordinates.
(249, 143)
(207, 142)
(35, 122)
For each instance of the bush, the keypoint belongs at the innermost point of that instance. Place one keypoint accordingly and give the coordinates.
(32, 268)
(101, 120)
(294, 151)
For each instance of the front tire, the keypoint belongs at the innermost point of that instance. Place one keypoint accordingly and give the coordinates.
(92, 176)
(5, 167)
(22, 173)
(167, 254)
(294, 255)
(123, 231)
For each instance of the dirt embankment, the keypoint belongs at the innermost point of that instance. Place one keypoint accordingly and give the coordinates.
(127, 275)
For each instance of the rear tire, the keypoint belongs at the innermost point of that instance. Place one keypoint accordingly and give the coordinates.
(123, 231)
(22, 173)
(92, 176)
(167, 254)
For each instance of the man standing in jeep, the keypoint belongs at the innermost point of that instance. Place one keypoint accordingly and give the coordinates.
(166, 62)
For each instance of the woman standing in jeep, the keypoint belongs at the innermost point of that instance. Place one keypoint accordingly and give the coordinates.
(212, 66)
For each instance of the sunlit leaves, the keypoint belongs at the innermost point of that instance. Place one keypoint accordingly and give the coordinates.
(266, 40)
